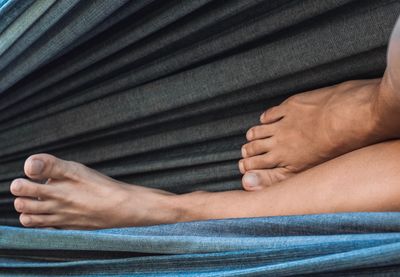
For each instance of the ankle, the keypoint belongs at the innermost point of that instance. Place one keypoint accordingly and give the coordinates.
(191, 206)
(388, 89)
(387, 109)
(145, 206)
(167, 209)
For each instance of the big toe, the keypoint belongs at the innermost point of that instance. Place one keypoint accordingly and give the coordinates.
(45, 166)
(259, 179)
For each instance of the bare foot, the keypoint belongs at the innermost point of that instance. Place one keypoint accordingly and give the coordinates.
(313, 127)
(308, 129)
(77, 197)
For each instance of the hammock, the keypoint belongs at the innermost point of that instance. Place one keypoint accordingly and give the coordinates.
(160, 94)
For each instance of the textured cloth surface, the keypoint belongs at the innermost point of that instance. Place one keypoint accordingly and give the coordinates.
(160, 93)
(364, 244)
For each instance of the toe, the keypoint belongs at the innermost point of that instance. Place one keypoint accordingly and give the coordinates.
(263, 161)
(260, 132)
(27, 188)
(259, 179)
(272, 115)
(45, 166)
(251, 181)
(32, 220)
(257, 147)
(241, 167)
(31, 206)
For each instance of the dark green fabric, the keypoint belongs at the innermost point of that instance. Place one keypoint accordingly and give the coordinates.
(160, 93)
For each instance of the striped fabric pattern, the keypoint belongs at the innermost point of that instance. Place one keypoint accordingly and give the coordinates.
(160, 94)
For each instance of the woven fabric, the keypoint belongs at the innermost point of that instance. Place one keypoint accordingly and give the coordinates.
(160, 94)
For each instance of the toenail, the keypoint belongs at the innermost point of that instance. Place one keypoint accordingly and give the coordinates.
(19, 205)
(250, 134)
(36, 167)
(26, 220)
(16, 186)
(241, 166)
(244, 152)
(251, 180)
(262, 116)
